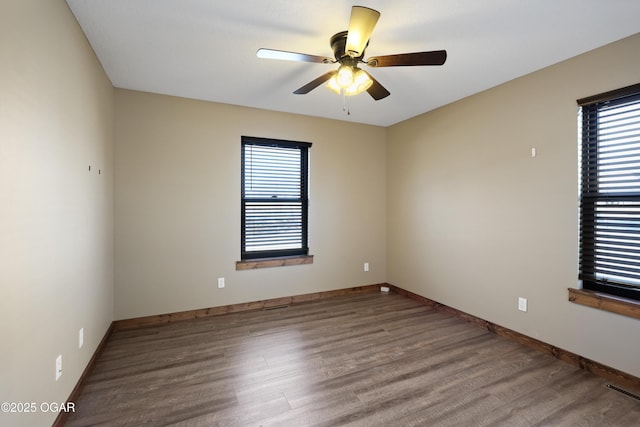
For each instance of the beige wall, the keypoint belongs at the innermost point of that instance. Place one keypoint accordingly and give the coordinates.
(56, 217)
(475, 222)
(177, 208)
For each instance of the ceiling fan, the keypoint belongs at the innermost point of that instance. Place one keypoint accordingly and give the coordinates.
(348, 49)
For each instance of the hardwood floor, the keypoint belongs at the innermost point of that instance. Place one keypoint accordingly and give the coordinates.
(362, 360)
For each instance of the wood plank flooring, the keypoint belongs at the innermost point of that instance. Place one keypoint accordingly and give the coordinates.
(361, 360)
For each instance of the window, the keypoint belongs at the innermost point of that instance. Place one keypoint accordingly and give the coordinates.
(610, 192)
(274, 198)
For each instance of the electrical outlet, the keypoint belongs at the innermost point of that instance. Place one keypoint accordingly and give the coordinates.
(81, 338)
(366, 266)
(220, 282)
(58, 367)
(522, 304)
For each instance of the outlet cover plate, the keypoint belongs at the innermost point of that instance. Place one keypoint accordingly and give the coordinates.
(58, 367)
(522, 304)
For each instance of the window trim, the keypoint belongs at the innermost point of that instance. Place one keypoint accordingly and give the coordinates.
(252, 264)
(303, 250)
(587, 269)
(607, 302)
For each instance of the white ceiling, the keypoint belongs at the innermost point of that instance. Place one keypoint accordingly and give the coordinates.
(206, 49)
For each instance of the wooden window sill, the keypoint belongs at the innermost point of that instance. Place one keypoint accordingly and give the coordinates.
(601, 301)
(253, 264)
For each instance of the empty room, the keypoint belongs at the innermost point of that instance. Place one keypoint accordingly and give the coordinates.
(279, 213)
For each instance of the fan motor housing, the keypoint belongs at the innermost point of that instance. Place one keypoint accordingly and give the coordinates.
(338, 43)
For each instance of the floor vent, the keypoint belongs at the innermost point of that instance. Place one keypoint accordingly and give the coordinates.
(623, 391)
(276, 307)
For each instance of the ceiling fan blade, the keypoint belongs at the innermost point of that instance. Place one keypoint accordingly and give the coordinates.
(361, 24)
(376, 90)
(315, 83)
(292, 56)
(435, 57)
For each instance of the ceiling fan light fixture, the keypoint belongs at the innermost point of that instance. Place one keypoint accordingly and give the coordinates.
(344, 76)
(361, 82)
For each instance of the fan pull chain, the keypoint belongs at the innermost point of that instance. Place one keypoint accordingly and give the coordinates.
(345, 107)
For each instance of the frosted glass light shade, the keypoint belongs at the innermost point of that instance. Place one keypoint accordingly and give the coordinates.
(344, 77)
(361, 82)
